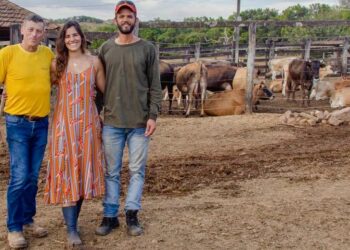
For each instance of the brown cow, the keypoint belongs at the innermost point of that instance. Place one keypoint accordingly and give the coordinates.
(240, 79)
(220, 76)
(231, 102)
(166, 71)
(191, 80)
(301, 73)
(276, 86)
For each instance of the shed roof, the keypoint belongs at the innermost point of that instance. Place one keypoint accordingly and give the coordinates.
(11, 13)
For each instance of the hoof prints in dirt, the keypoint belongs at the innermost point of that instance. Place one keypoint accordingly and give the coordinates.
(321, 151)
(323, 148)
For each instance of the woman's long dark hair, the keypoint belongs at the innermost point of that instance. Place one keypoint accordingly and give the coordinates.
(61, 49)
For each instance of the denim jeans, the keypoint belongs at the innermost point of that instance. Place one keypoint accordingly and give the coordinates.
(114, 141)
(26, 141)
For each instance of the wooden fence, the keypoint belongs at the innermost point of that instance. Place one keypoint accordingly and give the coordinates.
(264, 52)
(250, 53)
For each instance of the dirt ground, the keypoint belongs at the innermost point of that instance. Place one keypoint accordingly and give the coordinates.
(234, 182)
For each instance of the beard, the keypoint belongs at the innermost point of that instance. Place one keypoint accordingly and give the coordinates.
(126, 31)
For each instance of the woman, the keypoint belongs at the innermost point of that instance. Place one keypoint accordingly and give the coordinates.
(76, 161)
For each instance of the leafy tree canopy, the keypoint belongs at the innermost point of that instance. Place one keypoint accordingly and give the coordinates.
(172, 37)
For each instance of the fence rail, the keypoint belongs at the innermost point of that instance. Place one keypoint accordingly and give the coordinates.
(253, 54)
(270, 23)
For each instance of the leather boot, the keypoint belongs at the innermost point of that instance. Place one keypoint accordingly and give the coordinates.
(134, 228)
(16, 240)
(35, 230)
(107, 225)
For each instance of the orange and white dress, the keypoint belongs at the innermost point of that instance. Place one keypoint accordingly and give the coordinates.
(76, 159)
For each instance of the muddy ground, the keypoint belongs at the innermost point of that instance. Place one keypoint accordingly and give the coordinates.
(235, 182)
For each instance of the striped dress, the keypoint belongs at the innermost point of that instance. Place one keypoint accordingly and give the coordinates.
(76, 160)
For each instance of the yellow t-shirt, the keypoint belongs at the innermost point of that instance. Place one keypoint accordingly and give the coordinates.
(26, 76)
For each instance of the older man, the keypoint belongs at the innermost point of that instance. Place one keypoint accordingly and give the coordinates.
(25, 71)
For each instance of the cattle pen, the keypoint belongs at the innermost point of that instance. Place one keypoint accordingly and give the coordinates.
(332, 50)
(255, 55)
(231, 182)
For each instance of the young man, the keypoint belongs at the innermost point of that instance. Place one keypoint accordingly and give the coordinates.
(25, 71)
(131, 103)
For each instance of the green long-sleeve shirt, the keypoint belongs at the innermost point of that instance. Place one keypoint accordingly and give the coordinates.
(133, 92)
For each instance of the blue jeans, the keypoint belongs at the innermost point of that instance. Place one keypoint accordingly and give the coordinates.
(114, 141)
(26, 141)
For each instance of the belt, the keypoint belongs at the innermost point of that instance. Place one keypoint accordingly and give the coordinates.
(30, 118)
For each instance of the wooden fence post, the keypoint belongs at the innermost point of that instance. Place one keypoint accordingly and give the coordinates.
(250, 67)
(15, 34)
(187, 57)
(307, 49)
(272, 50)
(270, 53)
(227, 50)
(344, 65)
(197, 52)
(233, 51)
(158, 51)
(237, 45)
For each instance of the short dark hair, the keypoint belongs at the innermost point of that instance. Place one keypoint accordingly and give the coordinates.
(34, 18)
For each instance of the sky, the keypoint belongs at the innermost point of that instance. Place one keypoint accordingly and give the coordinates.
(175, 10)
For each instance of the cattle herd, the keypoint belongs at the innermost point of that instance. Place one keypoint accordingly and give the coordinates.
(217, 88)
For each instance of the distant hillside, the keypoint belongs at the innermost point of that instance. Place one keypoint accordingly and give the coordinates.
(88, 23)
(85, 19)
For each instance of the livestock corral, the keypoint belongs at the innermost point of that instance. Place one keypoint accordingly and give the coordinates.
(227, 181)
(230, 182)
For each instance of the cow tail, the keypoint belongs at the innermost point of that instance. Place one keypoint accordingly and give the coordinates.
(199, 69)
(204, 76)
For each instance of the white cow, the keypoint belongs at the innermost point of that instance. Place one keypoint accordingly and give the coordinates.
(323, 89)
(340, 98)
(280, 66)
(277, 65)
(325, 71)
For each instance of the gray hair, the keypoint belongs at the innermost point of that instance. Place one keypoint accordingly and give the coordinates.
(34, 18)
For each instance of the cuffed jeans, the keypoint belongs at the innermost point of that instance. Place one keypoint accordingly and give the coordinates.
(114, 141)
(26, 141)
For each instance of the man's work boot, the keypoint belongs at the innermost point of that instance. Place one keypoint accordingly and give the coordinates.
(134, 228)
(107, 225)
(35, 230)
(16, 240)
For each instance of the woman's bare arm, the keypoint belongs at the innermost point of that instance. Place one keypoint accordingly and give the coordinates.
(100, 75)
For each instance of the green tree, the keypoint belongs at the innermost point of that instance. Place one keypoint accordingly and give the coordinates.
(259, 14)
(344, 3)
(96, 43)
(106, 28)
(296, 12)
